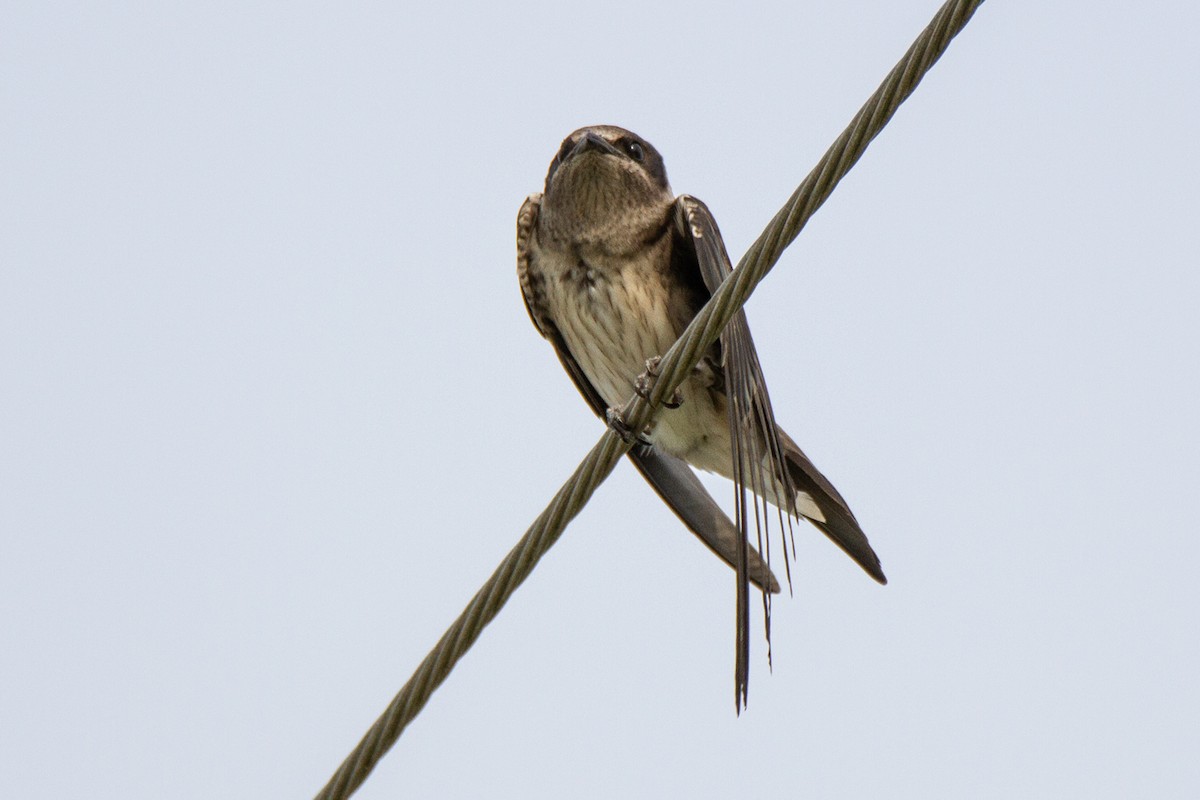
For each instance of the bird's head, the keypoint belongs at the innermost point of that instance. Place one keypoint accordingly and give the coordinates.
(606, 185)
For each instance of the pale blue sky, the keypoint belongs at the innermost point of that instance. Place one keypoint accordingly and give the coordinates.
(271, 408)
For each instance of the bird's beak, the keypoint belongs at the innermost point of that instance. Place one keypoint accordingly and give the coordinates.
(591, 142)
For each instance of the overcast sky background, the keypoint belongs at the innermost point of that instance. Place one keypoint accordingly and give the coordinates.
(272, 410)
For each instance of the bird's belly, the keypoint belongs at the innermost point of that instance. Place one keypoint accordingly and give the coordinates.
(612, 325)
(697, 431)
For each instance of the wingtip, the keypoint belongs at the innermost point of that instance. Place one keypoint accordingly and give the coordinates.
(868, 561)
(875, 570)
(853, 542)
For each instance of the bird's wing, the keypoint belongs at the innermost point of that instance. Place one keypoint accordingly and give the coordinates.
(758, 453)
(679, 487)
(755, 433)
(674, 481)
(839, 523)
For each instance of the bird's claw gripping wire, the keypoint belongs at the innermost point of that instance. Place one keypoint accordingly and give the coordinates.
(616, 418)
(645, 383)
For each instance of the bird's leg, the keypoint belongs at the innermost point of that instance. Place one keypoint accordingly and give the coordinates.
(645, 383)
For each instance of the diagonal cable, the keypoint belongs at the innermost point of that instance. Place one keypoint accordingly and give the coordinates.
(675, 366)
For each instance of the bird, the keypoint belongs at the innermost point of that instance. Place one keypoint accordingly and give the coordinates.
(612, 267)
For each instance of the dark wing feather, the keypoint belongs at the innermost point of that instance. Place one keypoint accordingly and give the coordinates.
(839, 525)
(670, 477)
(754, 428)
(679, 487)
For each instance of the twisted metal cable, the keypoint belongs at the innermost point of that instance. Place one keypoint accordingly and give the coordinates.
(675, 366)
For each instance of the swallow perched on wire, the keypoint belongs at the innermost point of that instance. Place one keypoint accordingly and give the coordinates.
(613, 267)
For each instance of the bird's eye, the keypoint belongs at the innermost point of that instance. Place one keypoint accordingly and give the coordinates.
(635, 150)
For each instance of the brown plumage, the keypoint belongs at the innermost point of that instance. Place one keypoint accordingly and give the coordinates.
(612, 267)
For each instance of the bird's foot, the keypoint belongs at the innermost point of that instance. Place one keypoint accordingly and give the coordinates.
(616, 420)
(645, 383)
